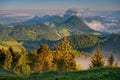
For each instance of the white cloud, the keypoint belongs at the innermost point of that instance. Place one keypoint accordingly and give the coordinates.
(78, 12)
(98, 26)
(104, 27)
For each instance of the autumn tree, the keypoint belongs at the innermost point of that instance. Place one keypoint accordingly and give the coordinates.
(2, 57)
(10, 49)
(58, 61)
(65, 57)
(44, 59)
(97, 59)
(110, 59)
(19, 62)
(5, 59)
(23, 51)
(31, 57)
(15, 61)
(8, 60)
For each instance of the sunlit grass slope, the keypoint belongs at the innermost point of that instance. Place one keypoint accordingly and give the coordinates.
(14, 44)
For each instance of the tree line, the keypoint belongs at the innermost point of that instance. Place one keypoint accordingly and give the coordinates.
(63, 58)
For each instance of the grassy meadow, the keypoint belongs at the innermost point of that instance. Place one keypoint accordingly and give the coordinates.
(104, 73)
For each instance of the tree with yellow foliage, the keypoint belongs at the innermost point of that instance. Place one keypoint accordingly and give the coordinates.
(5, 59)
(97, 59)
(8, 60)
(44, 59)
(65, 57)
(19, 62)
(58, 61)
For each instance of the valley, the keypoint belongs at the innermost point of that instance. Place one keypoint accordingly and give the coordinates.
(59, 44)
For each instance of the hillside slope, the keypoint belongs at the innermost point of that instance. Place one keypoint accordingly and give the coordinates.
(76, 26)
(93, 74)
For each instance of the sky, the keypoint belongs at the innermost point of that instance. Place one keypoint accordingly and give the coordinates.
(59, 4)
(30, 8)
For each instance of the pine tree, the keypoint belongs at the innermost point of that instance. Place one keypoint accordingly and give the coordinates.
(31, 57)
(19, 61)
(8, 60)
(58, 61)
(44, 58)
(68, 55)
(20, 64)
(97, 59)
(65, 59)
(5, 59)
(2, 57)
(110, 59)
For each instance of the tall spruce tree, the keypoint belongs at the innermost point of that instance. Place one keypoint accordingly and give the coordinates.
(110, 59)
(31, 57)
(66, 56)
(97, 59)
(58, 61)
(44, 59)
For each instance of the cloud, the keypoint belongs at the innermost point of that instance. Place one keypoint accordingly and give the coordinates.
(109, 27)
(29, 13)
(98, 26)
(68, 12)
(85, 61)
(7, 13)
(17, 15)
(77, 12)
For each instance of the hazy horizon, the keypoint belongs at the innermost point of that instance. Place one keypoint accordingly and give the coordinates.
(59, 4)
(39, 7)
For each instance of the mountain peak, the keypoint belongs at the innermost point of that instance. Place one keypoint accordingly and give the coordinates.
(74, 23)
(36, 17)
(73, 19)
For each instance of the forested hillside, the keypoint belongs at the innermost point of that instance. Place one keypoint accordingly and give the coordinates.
(59, 63)
(59, 39)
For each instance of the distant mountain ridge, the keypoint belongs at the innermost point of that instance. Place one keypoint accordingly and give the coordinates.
(77, 25)
(55, 29)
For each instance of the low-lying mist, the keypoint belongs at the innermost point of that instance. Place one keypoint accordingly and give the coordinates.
(109, 27)
(84, 61)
